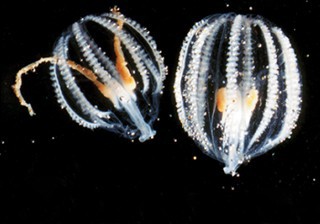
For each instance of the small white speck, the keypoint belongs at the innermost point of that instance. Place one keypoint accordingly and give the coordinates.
(175, 140)
(158, 119)
(250, 8)
(259, 45)
(170, 115)
(194, 158)
(3, 142)
(314, 179)
(307, 55)
(33, 141)
(227, 5)
(53, 138)
(232, 188)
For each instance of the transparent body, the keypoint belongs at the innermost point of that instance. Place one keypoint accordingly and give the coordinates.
(106, 72)
(237, 87)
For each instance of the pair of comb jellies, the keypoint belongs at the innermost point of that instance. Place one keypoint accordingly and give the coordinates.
(237, 86)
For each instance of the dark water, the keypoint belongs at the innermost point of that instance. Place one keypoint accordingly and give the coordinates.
(54, 171)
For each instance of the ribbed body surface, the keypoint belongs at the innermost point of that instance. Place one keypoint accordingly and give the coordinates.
(237, 87)
(128, 71)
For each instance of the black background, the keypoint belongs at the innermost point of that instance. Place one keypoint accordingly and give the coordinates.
(54, 171)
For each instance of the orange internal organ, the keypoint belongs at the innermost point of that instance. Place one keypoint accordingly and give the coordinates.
(121, 63)
(221, 99)
(249, 102)
(93, 78)
(252, 99)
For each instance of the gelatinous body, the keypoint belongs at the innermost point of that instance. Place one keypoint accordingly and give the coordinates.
(237, 87)
(106, 72)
